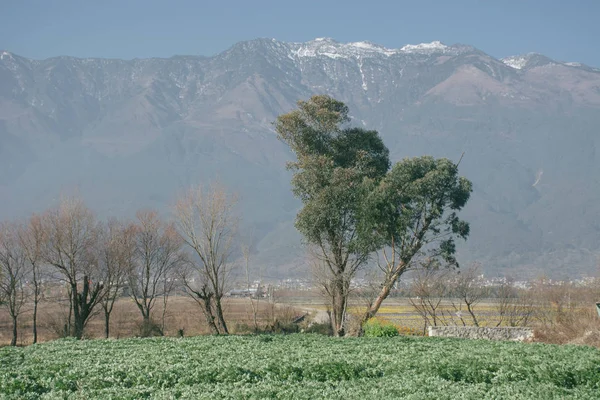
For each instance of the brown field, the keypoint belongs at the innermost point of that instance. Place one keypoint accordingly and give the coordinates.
(182, 313)
(574, 324)
(555, 321)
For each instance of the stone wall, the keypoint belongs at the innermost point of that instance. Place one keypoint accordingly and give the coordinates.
(473, 332)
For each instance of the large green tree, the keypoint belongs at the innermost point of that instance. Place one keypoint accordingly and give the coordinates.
(336, 168)
(412, 214)
(353, 204)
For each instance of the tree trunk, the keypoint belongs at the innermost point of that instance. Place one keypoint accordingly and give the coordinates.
(164, 313)
(255, 313)
(70, 318)
(77, 331)
(220, 316)
(338, 318)
(78, 328)
(338, 308)
(146, 328)
(80, 308)
(372, 311)
(210, 318)
(35, 305)
(78, 322)
(36, 299)
(383, 294)
(13, 341)
(472, 314)
(106, 323)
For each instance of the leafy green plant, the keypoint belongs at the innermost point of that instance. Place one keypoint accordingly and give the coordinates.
(376, 327)
(298, 366)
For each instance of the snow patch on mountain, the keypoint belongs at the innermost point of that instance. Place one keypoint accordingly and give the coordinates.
(435, 46)
(516, 62)
(328, 47)
(529, 61)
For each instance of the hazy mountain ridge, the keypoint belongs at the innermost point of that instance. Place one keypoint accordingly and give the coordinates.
(132, 133)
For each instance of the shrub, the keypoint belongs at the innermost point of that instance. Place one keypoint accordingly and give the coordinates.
(408, 331)
(149, 328)
(320, 328)
(283, 327)
(378, 328)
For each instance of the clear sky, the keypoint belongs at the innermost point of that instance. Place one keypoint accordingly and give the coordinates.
(566, 30)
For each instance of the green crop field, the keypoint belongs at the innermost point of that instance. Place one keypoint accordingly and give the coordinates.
(298, 367)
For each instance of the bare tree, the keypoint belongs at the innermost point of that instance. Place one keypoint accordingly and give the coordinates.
(32, 238)
(514, 307)
(117, 257)
(207, 223)
(468, 288)
(71, 248)
(13, 274)
(158, 256)
(2, 294)
(429, 289)
(168, 285)
(254, 300)
(272, 300)
(197, 287)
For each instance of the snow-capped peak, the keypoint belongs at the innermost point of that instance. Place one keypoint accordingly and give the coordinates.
(5, 54)
(330, 48)
(425, 47)
(367, 46)
(527, 61)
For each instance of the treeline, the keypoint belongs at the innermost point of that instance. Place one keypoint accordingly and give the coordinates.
(559, 312)
(97, 262)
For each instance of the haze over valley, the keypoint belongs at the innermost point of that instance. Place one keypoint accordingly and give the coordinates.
(130, 134)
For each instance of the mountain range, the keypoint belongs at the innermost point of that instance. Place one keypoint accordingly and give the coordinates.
(130, 134)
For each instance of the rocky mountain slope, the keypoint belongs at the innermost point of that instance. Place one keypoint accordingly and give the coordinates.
(132, 134)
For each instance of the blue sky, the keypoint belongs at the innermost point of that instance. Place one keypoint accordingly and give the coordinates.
(563, 30)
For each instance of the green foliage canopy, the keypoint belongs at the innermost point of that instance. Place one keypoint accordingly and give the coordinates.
(415, 207)
(336, 169)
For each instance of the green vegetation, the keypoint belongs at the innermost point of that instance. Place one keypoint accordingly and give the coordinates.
(298, 367)
(355, 205)
(378, 328)
(336, 168)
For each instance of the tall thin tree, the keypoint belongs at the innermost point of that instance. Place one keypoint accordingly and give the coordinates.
(13, 274)
(71, 248)
(32, 237)
(157, 257)
(117, 257)
(207, 223)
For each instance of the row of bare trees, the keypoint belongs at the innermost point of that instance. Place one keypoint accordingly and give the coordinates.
(97, 262)
(20, 275)
(453, 297)
(463, 297)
